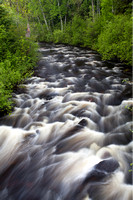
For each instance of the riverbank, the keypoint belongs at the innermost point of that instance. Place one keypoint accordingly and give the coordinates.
(18, 57)
(113, 39)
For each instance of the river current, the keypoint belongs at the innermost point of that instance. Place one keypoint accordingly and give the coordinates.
(70, 135)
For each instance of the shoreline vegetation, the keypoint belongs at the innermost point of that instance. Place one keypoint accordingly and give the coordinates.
(102, 25)
(18, 55)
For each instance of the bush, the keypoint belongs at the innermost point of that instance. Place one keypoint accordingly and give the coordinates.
(42, 34)
(92, 32)
(58, 36)
(68, 34)
(18, 55)
(116, 39)
(78, 30)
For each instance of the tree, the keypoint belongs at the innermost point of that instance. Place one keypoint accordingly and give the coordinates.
(44, 17)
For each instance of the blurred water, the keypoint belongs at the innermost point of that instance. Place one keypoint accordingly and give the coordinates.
(70, 135)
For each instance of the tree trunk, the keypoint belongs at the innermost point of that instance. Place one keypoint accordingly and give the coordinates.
(93, 11)
(112, 7)
(65, 22)
(98, 7)
(61, 21)
(40, 22)
(44, 16)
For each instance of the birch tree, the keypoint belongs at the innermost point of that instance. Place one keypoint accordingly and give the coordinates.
(44, 17)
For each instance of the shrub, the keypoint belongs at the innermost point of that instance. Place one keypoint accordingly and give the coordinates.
(92, 32)
(115, 39)
(18, 55)
(78, 30)
(58, 36)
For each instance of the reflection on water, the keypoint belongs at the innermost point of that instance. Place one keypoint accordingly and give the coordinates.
(69, 137)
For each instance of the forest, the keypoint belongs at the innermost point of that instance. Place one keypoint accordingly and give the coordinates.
(101, 25)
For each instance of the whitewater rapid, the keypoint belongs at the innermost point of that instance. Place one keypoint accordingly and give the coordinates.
(70, 134)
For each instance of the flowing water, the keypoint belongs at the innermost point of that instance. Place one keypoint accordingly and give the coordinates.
(70, 135)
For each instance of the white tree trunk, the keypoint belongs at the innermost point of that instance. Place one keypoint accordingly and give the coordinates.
(98, 7)
(61, 21)
(40, 22)
(93, 11)
(44, 16)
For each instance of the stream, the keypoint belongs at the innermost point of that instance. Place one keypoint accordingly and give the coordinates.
(70, 135)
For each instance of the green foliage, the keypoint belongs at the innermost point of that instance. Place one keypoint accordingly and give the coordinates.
(92, 32)
(107, 8)
(18, 55)
(101, 25)
(42, 34)
(73, 33)
(115, 39)
(58, 36)
(68, 36)
(78, 28)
